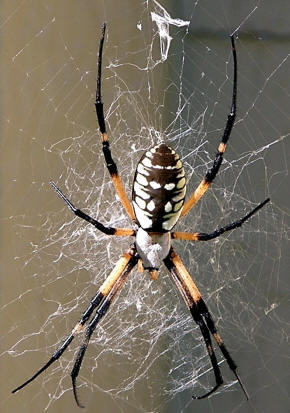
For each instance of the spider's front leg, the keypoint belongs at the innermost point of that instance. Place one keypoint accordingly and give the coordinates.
(202, 236)
(111, 165)
(121, 232)
(211, 173)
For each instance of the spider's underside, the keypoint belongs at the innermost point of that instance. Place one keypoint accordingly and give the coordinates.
(158, 202)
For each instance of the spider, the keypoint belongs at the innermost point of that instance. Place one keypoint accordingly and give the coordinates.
(158, 202)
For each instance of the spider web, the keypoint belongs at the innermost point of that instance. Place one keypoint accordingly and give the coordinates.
(167, 75)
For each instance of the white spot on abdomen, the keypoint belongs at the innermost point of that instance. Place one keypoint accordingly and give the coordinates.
(139, 190)
(155, 185)
(168, 207)
(140, 202)
(142, 217)
(169, 186)
(141, 179)
(147, 162)
(151, 205)
(142, 170)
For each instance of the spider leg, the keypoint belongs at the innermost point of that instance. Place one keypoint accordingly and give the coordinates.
(201, 236)
(106, 230)
(201, 316)
(206, 335)
(211, 173)
(100, 312)
(102, 293)
(212, 328)
(111, 165)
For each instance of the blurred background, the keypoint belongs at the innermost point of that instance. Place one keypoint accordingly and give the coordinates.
(167, 75)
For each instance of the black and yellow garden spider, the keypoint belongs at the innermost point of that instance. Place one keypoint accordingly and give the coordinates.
(158, 202)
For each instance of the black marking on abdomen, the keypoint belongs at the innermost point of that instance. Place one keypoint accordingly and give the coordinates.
(159, 189)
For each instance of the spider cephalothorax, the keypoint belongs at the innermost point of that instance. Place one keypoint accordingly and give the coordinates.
(158, 202)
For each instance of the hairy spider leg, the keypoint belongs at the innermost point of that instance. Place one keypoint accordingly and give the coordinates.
(121, 232)
(120, 268)
(202, 236)
(202, 317)
(191, 296)
(111, 165)
(203, 310)
(115, 287)
(211, 174)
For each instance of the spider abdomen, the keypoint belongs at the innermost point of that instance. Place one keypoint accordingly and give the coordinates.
(159, 189)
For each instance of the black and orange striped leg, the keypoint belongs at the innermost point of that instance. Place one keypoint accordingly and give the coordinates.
(203, 310)
(122, 232)
(202, 236)
(211, 174)
(196, 315)
(128, 260)
(101, 311)
(201, 316)
(111, 165)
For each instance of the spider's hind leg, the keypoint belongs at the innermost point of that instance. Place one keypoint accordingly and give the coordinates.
(98, 302)
(110, 288)
(202, 317)
(212, 328)
(197, 316)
